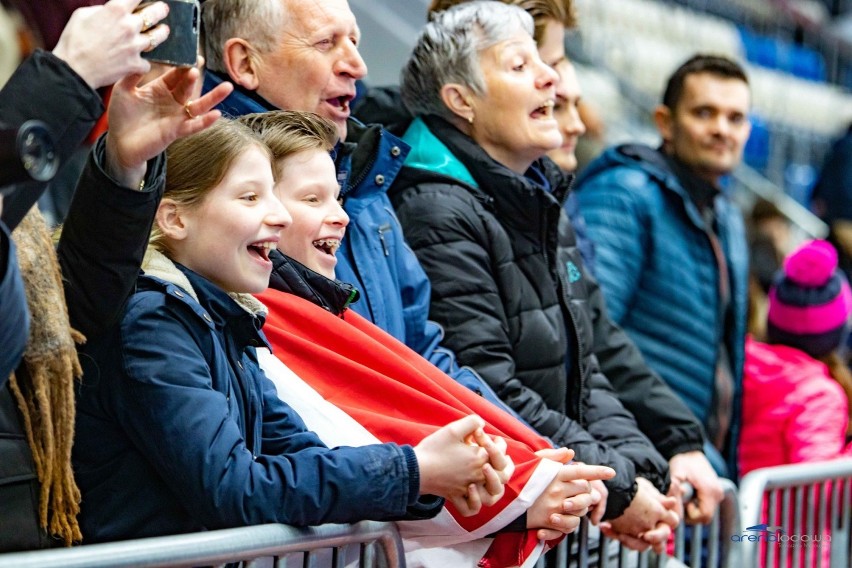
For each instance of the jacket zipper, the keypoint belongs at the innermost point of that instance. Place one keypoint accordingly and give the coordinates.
(578, 353)
(349, 300)
(382, 230)
(363, 173)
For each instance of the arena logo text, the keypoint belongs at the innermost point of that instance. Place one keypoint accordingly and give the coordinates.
(768, 533)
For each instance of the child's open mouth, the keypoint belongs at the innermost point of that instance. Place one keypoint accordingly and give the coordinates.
(261, 249)
(328, 246)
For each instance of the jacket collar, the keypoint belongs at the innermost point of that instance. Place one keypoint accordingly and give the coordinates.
(702, 193)
(429, 153)
(368, 152)
(362, 141)
(653, 163)
(243, 314)
(489, 173)
(241, 101)
(292, 277)
(498, 187)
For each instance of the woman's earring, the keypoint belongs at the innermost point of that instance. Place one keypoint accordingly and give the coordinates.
(470, 119)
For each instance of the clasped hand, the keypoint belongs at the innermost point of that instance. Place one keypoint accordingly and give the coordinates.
(463, 464)
(577, 490)
(647, 522)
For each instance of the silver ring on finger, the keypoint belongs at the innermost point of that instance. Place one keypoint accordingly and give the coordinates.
(152, 42)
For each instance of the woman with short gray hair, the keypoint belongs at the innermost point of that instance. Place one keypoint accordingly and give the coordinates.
(482, 208)
(448, 52)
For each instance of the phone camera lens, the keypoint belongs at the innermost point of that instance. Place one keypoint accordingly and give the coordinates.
(36, 150)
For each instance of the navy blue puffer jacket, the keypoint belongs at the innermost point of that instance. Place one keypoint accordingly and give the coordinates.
(179, 430)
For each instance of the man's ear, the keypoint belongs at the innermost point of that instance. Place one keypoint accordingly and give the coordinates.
(459, 100)
(242, 63)
(663, 120)
(170, 220)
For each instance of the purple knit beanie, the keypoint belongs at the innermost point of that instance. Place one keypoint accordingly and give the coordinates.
(810, 301)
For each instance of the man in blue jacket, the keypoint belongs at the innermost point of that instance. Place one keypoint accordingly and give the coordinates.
(292, 55)
(671, 251)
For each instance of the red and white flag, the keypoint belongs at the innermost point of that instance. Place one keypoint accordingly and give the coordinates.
(354, 384)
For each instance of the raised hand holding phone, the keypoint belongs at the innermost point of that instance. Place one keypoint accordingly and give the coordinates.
(104, 43)
(181, 47)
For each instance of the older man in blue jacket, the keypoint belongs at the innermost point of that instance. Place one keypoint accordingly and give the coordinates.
(283, 54)
(671, 251)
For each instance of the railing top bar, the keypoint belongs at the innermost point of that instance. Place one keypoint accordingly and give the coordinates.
(793, 210)
(200, 548)
(728, 485)
(800, 474)
(756, 482)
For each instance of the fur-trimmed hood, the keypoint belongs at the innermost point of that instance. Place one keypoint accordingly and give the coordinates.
(160, 266)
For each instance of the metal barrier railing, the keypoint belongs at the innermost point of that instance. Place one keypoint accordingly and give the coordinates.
(714, 551)
(797, 515)
(588, 548)
(378, 544)
(773, 520)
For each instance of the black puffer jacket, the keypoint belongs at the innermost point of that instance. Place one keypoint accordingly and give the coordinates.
(509, 287)
(660, 413)
(289, 275)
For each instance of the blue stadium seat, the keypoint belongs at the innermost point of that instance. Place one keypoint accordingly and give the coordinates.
(756, 152)
(780, 54)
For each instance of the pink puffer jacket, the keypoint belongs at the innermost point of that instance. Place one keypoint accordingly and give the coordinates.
(793, 411)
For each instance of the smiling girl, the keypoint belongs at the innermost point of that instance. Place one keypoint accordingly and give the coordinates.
(179, 430)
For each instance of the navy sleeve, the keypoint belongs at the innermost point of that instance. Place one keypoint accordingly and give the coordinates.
(168, 395)
(104, 240)
(277, 415)
(14, 317)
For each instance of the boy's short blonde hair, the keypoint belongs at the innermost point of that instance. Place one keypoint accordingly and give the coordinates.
(287, 132)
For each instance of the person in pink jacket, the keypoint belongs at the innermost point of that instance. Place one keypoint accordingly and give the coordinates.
(796, 386)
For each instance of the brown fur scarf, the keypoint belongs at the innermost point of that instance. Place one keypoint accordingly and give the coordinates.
(43, 384)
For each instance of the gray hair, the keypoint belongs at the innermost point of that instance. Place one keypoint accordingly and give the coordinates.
(448, 51)
(257, 21)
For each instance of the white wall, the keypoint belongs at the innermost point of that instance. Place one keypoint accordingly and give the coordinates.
(388, 31)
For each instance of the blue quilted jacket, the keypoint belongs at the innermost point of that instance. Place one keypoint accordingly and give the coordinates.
(660, 277)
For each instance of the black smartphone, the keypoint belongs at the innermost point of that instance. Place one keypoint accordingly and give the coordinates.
(181, 47)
